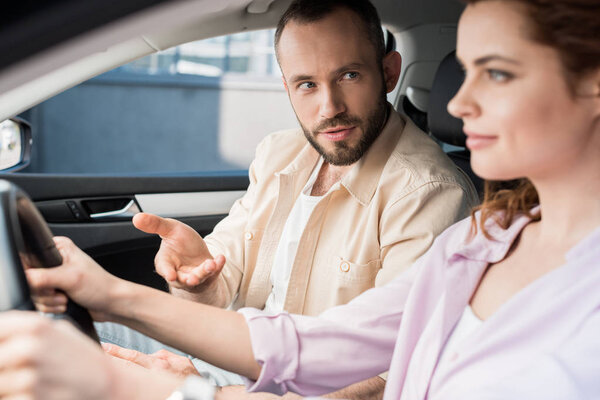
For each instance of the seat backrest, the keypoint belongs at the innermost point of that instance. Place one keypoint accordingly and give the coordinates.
(441, 124)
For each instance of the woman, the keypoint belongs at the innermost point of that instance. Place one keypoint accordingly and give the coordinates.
(504, 305)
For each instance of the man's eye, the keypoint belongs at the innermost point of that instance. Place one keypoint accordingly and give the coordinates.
(351, 75)
(499, 76)
(306, 85)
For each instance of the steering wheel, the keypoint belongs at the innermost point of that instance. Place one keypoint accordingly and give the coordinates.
(24, 234)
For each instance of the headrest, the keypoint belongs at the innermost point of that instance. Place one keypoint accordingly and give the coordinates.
(447, 81)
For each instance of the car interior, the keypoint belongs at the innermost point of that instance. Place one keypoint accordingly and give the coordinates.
(95, 210)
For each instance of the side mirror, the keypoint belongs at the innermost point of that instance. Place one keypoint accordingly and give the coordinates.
(15, 144)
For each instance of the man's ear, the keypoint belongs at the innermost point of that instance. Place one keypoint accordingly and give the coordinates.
(392, 62)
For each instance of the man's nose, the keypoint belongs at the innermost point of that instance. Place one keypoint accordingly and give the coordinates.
(332, 102)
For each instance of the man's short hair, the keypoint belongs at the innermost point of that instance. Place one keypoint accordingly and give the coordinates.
(307, 11)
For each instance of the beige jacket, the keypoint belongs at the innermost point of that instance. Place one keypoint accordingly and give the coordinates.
(370, 227)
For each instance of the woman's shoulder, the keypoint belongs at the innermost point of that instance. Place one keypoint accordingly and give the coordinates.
(472, 239)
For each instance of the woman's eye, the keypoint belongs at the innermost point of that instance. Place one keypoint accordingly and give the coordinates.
(499, 76)
(351, 75)
(306, 85)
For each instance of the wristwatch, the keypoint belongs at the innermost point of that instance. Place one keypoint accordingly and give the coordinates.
(194, 388)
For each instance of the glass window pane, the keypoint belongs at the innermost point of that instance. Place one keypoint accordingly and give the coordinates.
(201, 106)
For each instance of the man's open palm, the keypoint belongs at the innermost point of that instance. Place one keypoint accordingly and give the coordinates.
(183, 259)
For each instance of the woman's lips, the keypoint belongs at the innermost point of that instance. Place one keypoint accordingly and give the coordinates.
(476, 141)
(335, 135)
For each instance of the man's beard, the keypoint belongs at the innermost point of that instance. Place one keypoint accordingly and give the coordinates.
(344, 154)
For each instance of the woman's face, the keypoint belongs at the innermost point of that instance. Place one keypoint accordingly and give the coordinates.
(520, 117)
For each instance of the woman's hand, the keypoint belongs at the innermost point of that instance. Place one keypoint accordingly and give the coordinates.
(45, 359)
(51, 360)
(79, 276)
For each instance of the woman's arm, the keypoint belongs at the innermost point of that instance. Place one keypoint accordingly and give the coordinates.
(217, 336)
(307, 355)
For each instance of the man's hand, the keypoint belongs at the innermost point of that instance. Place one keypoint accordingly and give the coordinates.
(161, 361)
(183, 259)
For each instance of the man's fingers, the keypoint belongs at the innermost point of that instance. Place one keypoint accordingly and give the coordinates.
(196, 276)
(204, 271)
(188, 279)
(151, 223)
(121, 363)
(219, 262)
(165, 267)
(133, 356)
(164, 354)
(210, 267)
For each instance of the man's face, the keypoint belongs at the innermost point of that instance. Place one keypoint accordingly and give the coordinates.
(335, 85)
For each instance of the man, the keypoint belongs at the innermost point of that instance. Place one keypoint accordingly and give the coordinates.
(344, 204)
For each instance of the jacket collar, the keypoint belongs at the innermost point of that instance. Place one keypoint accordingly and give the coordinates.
(362, 180)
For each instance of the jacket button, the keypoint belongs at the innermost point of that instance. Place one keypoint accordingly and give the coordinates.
(248, 235)
(344, 266)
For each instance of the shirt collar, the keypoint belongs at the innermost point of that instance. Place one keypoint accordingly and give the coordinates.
(480, 248)
(363, 179)
(306, 159)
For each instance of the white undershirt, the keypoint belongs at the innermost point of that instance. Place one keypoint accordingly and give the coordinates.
(468, 323)
(288, 244)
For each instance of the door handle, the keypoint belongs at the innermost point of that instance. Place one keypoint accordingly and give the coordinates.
(126, 212)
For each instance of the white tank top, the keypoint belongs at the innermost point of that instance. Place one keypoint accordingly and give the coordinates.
(288, 243)
(467, 324)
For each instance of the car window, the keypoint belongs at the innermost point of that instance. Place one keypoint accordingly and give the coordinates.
(201, 106)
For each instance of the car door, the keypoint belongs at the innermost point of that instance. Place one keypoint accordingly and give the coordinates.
(95, 212)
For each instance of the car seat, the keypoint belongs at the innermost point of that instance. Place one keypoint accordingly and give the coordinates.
(428, 111)
(441, 124)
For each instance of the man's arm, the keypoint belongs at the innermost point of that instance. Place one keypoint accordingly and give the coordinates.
(370, 389)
